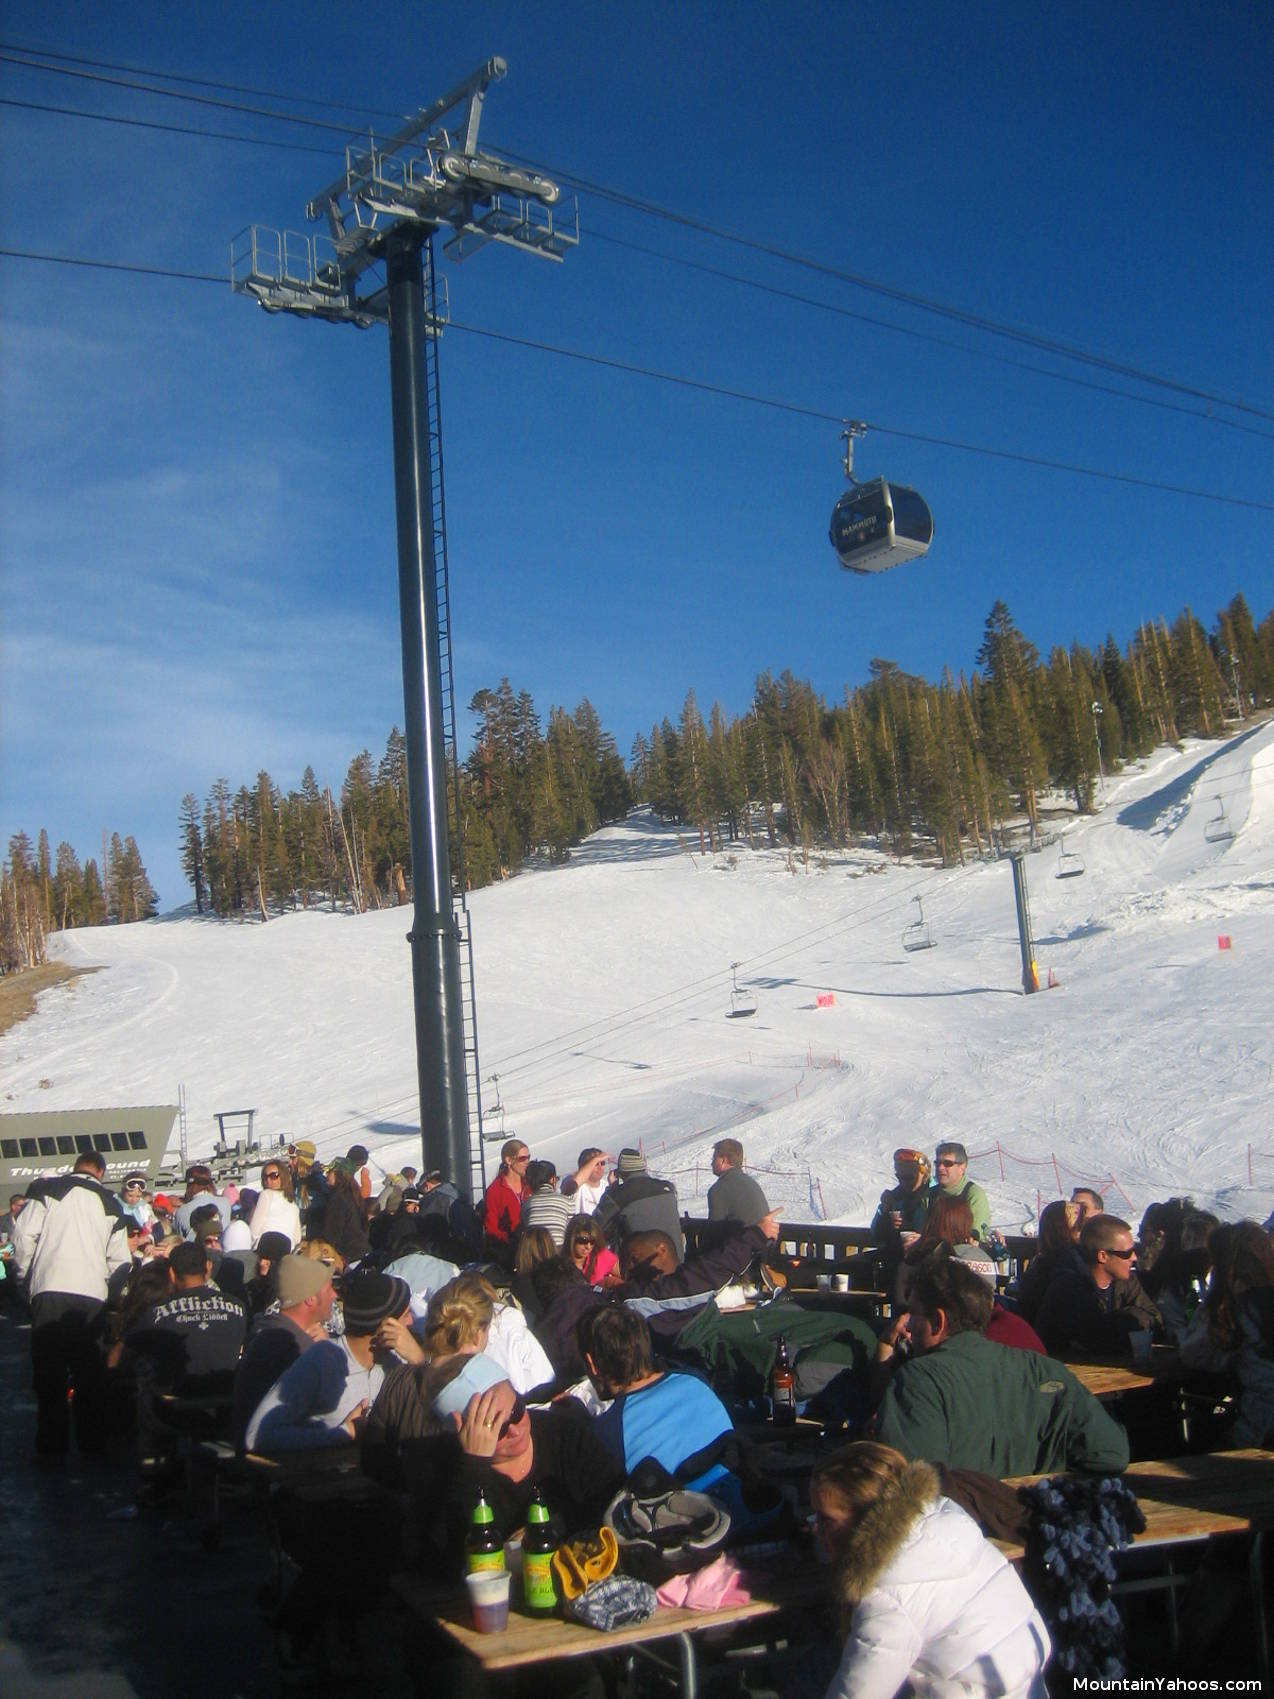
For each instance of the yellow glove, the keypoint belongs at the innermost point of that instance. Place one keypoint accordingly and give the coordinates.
(581, 1562)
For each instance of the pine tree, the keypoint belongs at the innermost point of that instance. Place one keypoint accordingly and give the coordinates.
(68, 887)
(192, 847)
(93, 898)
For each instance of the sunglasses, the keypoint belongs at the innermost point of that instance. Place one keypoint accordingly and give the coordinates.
(515, 1415)
(946, 1162)
(272, 1175)
(1122, 1255)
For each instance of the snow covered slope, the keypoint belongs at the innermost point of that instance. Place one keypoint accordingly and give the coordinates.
(604, 988)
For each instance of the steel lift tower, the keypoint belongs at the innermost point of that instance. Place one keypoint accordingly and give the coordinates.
(375, 265)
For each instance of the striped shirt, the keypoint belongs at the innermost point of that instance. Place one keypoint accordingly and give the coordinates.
(548, 1208)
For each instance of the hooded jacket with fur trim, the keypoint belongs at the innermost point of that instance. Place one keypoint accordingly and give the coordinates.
(934, 1603)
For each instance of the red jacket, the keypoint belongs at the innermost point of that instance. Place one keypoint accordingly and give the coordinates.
(1004, 1328)
(501, 1210)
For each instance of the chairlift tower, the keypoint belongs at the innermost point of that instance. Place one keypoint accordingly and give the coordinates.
(375, 265)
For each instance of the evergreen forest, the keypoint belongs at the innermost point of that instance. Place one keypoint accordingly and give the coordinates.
(40, 894)
(917, 766)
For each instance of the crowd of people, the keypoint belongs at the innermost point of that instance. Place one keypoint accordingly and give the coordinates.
(558, 1338)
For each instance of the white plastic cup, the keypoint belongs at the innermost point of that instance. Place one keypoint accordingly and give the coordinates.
(489, 1600)
(1141, 1343)
(840, 1283)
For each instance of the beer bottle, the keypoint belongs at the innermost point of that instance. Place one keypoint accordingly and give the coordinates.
(538, 1592)
(783, 1387)
(483, 1547)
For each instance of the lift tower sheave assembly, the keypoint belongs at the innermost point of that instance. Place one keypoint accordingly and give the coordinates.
(376, 265)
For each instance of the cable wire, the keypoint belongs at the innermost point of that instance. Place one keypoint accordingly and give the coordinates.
(721, 390)
(169, 129)
(595, 235)
(977, 321)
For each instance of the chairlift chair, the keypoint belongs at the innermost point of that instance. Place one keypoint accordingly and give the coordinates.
(741, 1002)
(494, 1132)
(917, 936)
(1070, 865)
(1218, 830)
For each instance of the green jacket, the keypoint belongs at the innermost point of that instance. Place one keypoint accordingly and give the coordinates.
(974, 1405)
(975, 1197)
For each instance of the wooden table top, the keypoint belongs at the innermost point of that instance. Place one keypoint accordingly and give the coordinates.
(532, 1640)
(1187, 1499)
(1110, 1377)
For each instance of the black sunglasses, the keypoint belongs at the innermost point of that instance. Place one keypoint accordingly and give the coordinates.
(1122, 1255)
(515, 1415)
(273, 1174)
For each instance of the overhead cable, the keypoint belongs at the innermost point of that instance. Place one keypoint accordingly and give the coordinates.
(928, 304)
(722, 390)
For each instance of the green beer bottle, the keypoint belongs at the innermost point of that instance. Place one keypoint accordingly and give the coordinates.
(538, 1591)
(483, 1547)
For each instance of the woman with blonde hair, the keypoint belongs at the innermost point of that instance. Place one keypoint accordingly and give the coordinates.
(466, 1317)
(928, 1599)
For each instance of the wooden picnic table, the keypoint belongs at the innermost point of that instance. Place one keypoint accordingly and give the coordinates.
(534, 1640)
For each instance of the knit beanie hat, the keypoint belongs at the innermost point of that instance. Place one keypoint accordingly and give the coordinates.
(630, 1162)
(301, 1278)
(369, 1298)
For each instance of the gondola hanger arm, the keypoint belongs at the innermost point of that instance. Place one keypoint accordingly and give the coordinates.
(853, 428)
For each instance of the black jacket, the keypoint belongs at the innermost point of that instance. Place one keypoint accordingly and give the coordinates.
(1075, 1316)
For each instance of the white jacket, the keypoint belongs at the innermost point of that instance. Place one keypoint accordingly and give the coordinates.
(946, 1612)
(512, 1345)
(70, 1237)
(276, 1214)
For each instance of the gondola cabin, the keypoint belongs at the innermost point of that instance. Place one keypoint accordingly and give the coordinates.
(879, 525)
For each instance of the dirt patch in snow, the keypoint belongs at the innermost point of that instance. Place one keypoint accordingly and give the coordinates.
(18, 991)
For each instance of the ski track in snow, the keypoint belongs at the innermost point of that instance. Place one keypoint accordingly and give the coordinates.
(604, 986)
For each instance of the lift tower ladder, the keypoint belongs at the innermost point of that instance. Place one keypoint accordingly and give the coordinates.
(450, 737)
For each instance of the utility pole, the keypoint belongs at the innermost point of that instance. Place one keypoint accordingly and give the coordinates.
(376, 266)
(1097, 713)
(1238, 694)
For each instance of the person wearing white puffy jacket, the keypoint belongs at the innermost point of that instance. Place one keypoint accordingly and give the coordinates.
(930, 1601)
(275, 1211)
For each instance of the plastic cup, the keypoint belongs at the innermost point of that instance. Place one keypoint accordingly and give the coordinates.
(840, 1283)
(1141, 1343)
(489, 1600)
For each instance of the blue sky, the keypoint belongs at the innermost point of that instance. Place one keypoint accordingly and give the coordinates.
(197, 551)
